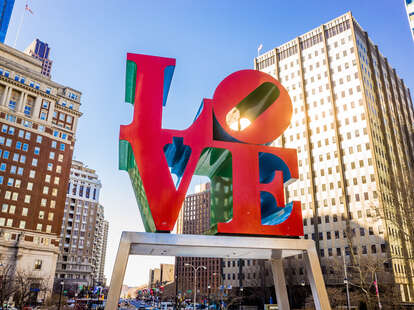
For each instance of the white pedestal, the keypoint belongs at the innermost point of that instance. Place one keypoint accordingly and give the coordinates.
(273, 249)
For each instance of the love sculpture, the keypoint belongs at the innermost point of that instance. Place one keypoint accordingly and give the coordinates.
(228, 142)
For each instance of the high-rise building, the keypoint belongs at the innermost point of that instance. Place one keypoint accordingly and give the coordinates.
(6, 9)
(101, 279)
(38, 120)
(40, 50)
(409, 5)
(352, 126)
(194, 219)
(81, 245)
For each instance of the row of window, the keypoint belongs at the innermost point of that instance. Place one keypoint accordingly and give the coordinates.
(22, 224)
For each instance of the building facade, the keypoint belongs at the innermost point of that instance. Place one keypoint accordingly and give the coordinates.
(40, 50)
(101, 279)
(6, 9)
(409, 5)
(194, 219)
(38, 121)
(352, 125)
(81, 244)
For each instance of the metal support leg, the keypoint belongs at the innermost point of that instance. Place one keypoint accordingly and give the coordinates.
(280, 283)
(118, 274)
(313, 269)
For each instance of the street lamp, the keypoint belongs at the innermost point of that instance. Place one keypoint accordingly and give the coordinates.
(195, 279)
(60, 295)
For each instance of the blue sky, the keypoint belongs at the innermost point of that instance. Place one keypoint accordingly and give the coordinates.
(210, 39)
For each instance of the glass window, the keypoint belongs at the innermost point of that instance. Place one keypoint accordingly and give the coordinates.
(6, 154)
(52, 155)
(62, 146)
(54, 144)
(39, 139)
(34, 162)
(36, 150)
(18, 145)
(25, 147)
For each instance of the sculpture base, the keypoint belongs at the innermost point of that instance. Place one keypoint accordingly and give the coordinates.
(273, 249)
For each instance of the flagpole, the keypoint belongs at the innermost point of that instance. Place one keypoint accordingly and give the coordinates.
(377, 291)
(20, 26)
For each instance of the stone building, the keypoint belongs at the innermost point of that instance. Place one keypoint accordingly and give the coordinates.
(352, 125)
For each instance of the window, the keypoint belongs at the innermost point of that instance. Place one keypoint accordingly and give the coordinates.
(25, 147)
(27, 198)
(43, 116)
(45, 190)
(25, 211)
(39, 227)
(34, 162)
(3, 167)
(22, 224)
(12, 105)
(50, 216)
(49, 166)
(47, 178)
(54, 144)
(62, 146)
(41, 215)
(43, 202)
(52, 204)
(20, 171)
(39, 139)
(32, 174)
(38, 263)
(36, 150)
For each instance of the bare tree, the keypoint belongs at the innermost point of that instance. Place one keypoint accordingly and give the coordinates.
(7, 288)
(27, 286)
